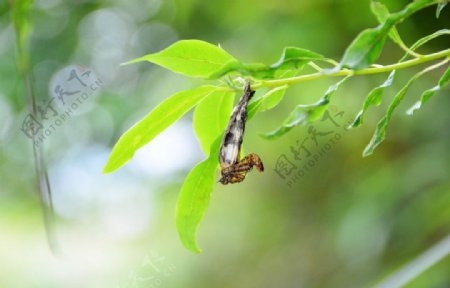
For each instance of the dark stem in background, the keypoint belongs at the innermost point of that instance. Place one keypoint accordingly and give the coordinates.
(19, 10)
(43, 182)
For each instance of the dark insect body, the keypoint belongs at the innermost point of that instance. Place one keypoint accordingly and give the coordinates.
(233, 169)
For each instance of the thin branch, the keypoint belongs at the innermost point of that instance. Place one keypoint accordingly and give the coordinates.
(417, 266)
(315, 66)
(43, 182)
(347, 72)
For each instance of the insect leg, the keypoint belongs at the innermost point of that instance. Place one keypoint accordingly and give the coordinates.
(247, 163)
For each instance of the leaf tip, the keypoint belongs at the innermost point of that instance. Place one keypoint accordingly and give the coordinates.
(439, 8)
(352, 125)
(140, 59)
(268, 135)
(357, 121)
(108, 168)
(196, 250)
(191, 245)
(125, 63)
(188, 239)
(367, 151)
(128, 62)
(413, 109)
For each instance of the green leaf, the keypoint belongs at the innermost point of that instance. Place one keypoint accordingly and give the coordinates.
(379, 10)
(211, 117)
(292, 59)
(367, 46)
(439, 8)
(382, 14)
(296, 58)
(445, 79)
(193, 58)
(266, 102)
(194, 198)
(305, 114)
(380, 132)
(164, 115)
(426, 39)
(365, 49)
(374, 98)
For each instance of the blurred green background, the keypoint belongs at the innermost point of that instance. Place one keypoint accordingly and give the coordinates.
(347, 222)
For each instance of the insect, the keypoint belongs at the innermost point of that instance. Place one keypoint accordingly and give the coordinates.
(234, 170)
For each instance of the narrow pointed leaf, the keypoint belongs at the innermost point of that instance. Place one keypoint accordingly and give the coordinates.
(292, 59)
(266, 102)
(380, 132)
(445, 79)
(194, 198)
(382, 13)
(374, 98)
(160, 118)
(428, 38)
(211, 117)
(297, 57)
(365, 49)
(367, 46)
(439, 8)
(305, 114)
(193, 58)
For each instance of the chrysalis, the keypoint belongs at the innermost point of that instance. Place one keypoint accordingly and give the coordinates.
(233, 169)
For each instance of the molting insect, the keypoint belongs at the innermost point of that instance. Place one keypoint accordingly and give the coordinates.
(233, 169)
